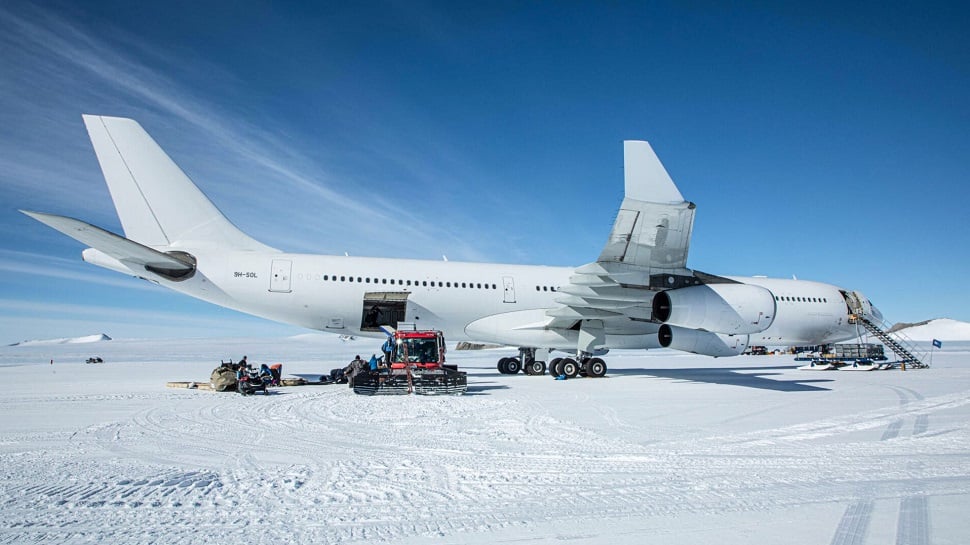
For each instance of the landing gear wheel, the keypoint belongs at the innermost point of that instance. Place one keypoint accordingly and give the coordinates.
(569, 367)
(555, 367)
(502, 366)
(513, 366)
(536, 368)
(595, 367)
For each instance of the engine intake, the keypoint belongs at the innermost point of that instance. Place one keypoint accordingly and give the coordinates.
(721, 308)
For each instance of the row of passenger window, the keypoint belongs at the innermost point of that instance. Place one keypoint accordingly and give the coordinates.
(801, 299)
(415, 283)
(545, 288)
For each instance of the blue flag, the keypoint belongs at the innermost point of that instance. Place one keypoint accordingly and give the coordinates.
(937, 343)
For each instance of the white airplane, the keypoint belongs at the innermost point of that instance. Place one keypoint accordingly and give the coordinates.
(638, 294)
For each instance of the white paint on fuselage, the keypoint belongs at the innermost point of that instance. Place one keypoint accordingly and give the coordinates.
(450, 295)
(806, 312)
(445, 295)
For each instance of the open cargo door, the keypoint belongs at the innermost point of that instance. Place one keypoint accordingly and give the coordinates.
(383, 308)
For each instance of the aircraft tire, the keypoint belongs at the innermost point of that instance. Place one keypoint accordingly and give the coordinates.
(555, 367)
(502, 366)
(595, 367)
(536, 368)
(569, 367)
(513, 366)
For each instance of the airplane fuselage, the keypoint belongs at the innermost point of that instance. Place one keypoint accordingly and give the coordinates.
(638, 293)
(328, 293)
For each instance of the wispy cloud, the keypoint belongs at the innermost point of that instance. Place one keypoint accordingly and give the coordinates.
(252, 157)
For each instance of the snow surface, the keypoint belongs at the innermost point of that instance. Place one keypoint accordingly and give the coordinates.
(668, 448)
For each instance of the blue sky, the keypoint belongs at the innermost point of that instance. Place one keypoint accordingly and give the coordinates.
(822, 141)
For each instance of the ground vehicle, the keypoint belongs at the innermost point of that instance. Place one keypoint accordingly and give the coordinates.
(415, 364)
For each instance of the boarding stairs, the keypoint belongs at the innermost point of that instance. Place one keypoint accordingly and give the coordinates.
(904, 348)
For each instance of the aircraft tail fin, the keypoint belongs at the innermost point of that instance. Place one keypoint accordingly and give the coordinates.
(157, 203)
(645, 178)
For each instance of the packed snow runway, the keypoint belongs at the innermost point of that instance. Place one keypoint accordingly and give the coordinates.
(667, 449)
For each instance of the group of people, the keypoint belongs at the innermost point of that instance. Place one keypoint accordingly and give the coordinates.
(356, 366)
(245, 372)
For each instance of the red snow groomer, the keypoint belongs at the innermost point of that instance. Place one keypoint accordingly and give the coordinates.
(416, 365)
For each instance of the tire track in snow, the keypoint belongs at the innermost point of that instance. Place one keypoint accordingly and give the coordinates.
(922, 424)
(854, 526)
(913, 527)
(892, 431)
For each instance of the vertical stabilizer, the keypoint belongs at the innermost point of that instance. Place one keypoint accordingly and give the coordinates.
(645, 177)
(158, 205)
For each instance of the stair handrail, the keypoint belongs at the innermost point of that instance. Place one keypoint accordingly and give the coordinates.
(900, 338)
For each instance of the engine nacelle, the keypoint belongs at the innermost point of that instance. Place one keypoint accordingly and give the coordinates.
(701, 342)
(735, 309)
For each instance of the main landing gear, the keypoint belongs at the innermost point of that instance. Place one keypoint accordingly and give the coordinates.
(530, 364)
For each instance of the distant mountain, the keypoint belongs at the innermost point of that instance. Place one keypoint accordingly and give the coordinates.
(943, 329)
(75, 340)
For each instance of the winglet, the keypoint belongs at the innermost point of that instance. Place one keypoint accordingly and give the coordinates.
(645, 177)
(652, 227)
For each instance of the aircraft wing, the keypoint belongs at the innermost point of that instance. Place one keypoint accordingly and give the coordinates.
(120, 248)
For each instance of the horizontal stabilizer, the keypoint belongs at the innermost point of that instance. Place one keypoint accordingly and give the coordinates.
(120, 248)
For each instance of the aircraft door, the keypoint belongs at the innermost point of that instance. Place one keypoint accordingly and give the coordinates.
(279, 280)
(383, 308)
(508, 286)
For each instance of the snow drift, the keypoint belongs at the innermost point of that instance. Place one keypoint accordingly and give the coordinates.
(75, 340)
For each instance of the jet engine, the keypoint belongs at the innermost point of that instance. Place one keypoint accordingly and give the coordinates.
(722, 308)
(701, 342)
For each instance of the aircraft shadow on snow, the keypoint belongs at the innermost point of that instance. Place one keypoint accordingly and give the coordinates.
(748, 377)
